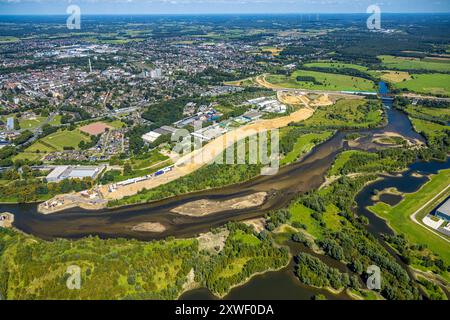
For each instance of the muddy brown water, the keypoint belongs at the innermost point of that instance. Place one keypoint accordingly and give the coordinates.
(307, 174)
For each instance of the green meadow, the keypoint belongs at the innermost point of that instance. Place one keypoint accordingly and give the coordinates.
(323, 81)
(304, 144)
(398, 217)
(402, 63)
(57, 141)
(31, 123)
(336, 65)
(434, 83)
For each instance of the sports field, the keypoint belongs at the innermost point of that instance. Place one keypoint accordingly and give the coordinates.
(31, 123)
(323, 81)
(403, 63)
(57, 141)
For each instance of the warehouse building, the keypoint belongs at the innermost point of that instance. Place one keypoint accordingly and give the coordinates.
(443, 211)
(61, 173)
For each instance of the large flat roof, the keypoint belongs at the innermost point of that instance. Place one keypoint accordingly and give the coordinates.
(445, 208)
(58, 171)
(82, 172)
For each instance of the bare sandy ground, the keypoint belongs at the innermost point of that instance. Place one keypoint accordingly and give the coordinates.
(322, 101)
(183, 166)
(6, 220)
(213, 242)
(154, 227)
(206, 155)
(291, 98)
(411, 142)
(257, 224)
(206, 207)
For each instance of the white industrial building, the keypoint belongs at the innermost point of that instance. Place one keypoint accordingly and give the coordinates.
(209, 133)
(151, 136)
(61, 173)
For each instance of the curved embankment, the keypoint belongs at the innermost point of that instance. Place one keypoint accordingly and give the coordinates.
(184, 166)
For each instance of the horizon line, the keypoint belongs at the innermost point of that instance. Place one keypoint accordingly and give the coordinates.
(218, 13)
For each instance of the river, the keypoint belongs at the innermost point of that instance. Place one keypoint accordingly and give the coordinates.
(307, 174)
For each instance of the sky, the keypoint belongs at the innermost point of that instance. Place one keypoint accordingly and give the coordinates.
(219, 6)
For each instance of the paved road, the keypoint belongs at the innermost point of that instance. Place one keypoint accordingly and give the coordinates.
(414, 215)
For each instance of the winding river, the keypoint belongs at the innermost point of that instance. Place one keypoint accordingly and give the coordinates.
(307, 174)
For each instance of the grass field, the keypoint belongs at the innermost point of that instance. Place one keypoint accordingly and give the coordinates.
(117, 124)
(430, 129)
(303, 145)
(398, 217)
(392, 76)
(246, 238)
(249, 82)
(58, 140)
(147, 160)
(302, 214)
(32, 123)
(8, 39)
(434, 83)
(56, 121)
(344, 113)
(341, 160)
(28, 156)
(326, 81)
(336, 65)
(439, 113)
(401, 63)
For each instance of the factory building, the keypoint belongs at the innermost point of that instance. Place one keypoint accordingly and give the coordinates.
(444, 211)
(61, 173)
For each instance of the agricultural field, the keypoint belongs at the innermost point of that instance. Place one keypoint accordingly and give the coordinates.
(398, 217)
(57, 141)
(336, 65)
(403, 63)
(392, 76)
(434, 83)
(323, 81)
(272, 50)
(8, 39)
